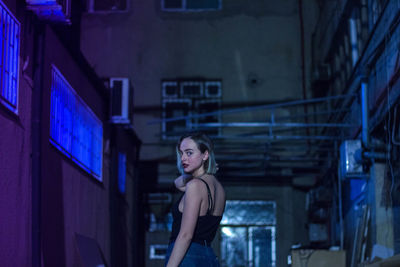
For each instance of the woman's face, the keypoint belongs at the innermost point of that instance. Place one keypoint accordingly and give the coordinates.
(191, 157)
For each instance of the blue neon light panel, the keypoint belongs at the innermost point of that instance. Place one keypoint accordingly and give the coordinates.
(74, 128)
(9, 51)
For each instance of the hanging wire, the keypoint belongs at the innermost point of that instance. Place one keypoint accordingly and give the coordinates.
(389, 158)
(388, 125)
(394, 141)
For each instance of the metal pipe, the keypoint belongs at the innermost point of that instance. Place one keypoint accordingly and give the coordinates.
(303, 69)
(36, 142)
(394, 141)
(327, 112)
(339, 175)
(246, 109)
(279, 137)
(375, 155)
(353, 40)
(270, 158)
(364, 114)
(269, 124)
(352, 89)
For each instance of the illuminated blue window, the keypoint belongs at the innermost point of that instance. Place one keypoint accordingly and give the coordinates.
(121, 172)
(74, 129)
(9, 51)
(248, 234)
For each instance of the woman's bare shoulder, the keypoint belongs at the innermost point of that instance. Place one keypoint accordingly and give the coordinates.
(194, 184)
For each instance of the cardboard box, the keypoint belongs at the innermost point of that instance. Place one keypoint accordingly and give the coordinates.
(389, 262)
(318, 258)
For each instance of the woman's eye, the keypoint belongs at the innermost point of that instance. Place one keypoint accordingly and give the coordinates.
(189, 153)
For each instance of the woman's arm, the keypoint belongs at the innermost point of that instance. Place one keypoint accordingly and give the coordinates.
(182, 180)
(191, 211)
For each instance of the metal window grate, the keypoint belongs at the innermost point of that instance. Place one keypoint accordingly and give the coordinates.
(248, 246)
(248, 234)
(191, 89)
(175, 108)
(212, 89)
(170, 89)
(258, 212)
(9, 49)
(207, 106)
(74, 129)
(184, 97)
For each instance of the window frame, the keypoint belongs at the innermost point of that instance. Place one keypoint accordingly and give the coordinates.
(249, 226)
(193, 100)
(166, 124)
(248, 229)
(62, 134)
(6, 92)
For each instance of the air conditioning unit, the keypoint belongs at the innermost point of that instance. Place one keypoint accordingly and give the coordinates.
(51, 10)
(121, 101)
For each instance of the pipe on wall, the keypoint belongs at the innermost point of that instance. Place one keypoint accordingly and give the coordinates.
(364, 115)
(353, 40)
(303, 71)
(39, 44)
(341, 223)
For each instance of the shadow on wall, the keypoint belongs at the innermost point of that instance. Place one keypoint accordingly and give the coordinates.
(53, 230)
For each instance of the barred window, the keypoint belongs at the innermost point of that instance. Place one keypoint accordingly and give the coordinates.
(248, 234)
(182, 99)
(74, 129)
(9, 48)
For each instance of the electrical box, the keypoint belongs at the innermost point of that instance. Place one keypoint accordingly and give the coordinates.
(350, 150)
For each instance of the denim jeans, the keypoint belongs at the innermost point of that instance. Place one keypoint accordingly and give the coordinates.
(196, 256)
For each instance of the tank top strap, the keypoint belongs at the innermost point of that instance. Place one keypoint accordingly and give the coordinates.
(210, 201)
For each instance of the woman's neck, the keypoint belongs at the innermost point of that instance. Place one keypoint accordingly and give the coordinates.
(199, 173)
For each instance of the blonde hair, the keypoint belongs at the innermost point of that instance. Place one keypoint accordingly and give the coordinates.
(204, 144)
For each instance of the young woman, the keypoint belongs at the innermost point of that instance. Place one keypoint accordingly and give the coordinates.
(199, 210)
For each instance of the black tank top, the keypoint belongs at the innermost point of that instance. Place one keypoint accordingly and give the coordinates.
(206, 227)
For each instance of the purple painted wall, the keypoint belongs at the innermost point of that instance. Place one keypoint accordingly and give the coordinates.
(15, 181)
(15, 169)
(73, 202)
